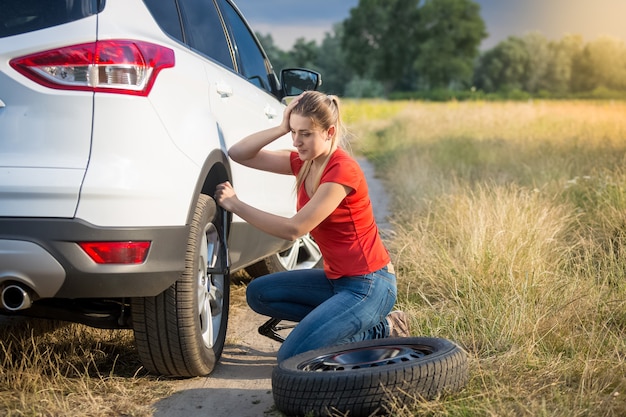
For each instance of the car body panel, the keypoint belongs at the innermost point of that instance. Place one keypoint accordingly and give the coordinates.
(79, 276)
(42, 164)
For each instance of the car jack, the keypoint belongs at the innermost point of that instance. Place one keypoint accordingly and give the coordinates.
(271, 328)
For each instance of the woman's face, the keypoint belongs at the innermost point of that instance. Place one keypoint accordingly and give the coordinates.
(310, 140)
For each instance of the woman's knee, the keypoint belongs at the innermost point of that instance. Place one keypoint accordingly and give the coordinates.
(253, 294)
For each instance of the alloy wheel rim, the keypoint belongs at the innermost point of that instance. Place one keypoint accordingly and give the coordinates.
(210, 287)
(304, 254)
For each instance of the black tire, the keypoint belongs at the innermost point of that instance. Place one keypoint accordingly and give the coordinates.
(303, 254)
(363, 378)
(181, 332)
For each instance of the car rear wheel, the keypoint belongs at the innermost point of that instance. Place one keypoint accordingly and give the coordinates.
(181, 332)
(303, 254)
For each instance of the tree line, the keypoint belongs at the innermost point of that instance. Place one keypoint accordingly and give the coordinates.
(430, 49)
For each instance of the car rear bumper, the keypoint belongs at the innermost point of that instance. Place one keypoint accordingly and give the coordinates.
(43, 256)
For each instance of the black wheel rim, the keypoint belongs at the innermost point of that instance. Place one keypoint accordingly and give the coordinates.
(367, 357)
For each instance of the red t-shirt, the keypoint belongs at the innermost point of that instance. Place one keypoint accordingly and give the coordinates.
(348, 238)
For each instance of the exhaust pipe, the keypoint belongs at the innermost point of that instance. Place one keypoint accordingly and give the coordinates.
(15, 298)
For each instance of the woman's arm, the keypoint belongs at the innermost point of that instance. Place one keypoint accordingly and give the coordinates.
(249, 151)
(324, 201)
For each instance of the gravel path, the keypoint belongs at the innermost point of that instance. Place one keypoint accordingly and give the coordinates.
(240, 386)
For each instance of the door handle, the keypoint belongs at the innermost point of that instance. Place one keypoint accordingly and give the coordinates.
(270, 112)
(224, 89)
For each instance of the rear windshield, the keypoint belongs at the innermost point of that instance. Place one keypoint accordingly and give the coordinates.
(21, 16)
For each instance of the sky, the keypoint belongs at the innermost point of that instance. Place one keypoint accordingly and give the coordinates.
(288, 20)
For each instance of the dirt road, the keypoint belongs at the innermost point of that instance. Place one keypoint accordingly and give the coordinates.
(241, 385)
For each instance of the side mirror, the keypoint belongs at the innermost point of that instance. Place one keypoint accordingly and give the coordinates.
(296, 80)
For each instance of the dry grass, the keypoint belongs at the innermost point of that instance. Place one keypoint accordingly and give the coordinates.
(510, 235)
(57, 369)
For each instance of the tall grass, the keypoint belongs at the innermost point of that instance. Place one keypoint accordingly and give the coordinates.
(510, 239)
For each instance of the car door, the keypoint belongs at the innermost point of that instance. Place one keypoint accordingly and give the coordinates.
(255, 109)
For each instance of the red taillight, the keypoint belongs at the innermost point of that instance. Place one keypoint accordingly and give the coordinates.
(116, 252)
(111, 66)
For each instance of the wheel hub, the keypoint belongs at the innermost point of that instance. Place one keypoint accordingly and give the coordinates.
(365, 358)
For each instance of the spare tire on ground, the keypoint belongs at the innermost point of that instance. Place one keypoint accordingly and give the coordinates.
(363, 378)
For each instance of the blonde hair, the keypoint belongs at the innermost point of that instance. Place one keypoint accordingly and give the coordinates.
(324, 112)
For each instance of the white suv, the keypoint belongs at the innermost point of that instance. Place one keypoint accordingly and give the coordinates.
(115, 118)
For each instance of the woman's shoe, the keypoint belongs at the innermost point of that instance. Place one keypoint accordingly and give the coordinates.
(398, 324)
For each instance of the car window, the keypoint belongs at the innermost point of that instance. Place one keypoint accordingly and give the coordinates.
(165, 13)
(204, 31)
(252, 64)
(21, 16)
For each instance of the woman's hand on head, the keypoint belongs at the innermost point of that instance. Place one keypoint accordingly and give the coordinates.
(225, 196)
(287, 112)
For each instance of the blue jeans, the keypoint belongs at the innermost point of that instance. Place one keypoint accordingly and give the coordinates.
(328, 311)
